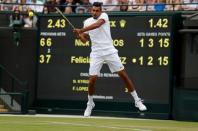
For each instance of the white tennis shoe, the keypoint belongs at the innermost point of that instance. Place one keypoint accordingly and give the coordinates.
(89, 108)
(140, 105)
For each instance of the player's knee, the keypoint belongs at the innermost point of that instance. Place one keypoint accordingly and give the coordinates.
(92, 80)
(123, 75)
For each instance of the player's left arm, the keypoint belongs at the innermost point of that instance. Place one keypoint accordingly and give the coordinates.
(84, 37)
(92, 26)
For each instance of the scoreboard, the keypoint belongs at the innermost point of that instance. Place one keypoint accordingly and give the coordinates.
(144, 44)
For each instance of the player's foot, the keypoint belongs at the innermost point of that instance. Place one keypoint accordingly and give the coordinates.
(89, 108)
(140, 105)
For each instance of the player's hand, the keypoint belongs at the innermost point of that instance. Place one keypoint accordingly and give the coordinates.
(77, 31)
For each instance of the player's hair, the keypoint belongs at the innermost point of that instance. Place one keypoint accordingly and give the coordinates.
(97, 4)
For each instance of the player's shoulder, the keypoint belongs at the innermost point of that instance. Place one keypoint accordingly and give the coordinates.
(88, 20)
(104, 15)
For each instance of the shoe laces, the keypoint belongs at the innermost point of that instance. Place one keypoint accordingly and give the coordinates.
(90, 105)
(140, 100)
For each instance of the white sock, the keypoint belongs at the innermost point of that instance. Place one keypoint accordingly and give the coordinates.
(135, 96)
(90, 99)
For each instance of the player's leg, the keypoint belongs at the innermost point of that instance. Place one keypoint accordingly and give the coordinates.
(131, 89)
(129, 84)
(91, 85)
(91, 91)
(116, 65)
(94, 70)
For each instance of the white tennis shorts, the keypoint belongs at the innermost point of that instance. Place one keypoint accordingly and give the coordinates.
(113, 61)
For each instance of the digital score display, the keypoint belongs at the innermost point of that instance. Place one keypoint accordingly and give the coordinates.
(144, 43)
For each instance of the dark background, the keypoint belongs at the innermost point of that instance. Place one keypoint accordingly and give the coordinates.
(169, 91)
(152, 82)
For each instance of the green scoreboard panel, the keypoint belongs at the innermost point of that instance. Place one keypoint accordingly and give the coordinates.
(144, 43)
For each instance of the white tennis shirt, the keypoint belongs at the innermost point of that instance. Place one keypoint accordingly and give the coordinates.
(102, 43)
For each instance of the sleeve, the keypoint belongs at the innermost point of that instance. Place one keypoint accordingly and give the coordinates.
(85, 24)
(104, 16)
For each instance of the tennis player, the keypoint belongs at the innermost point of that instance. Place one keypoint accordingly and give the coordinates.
(98, 29)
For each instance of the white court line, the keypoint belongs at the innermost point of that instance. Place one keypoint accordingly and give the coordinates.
(78, 116)
(24, 123)
(132, 128)
(118, 127)
(101, 126)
